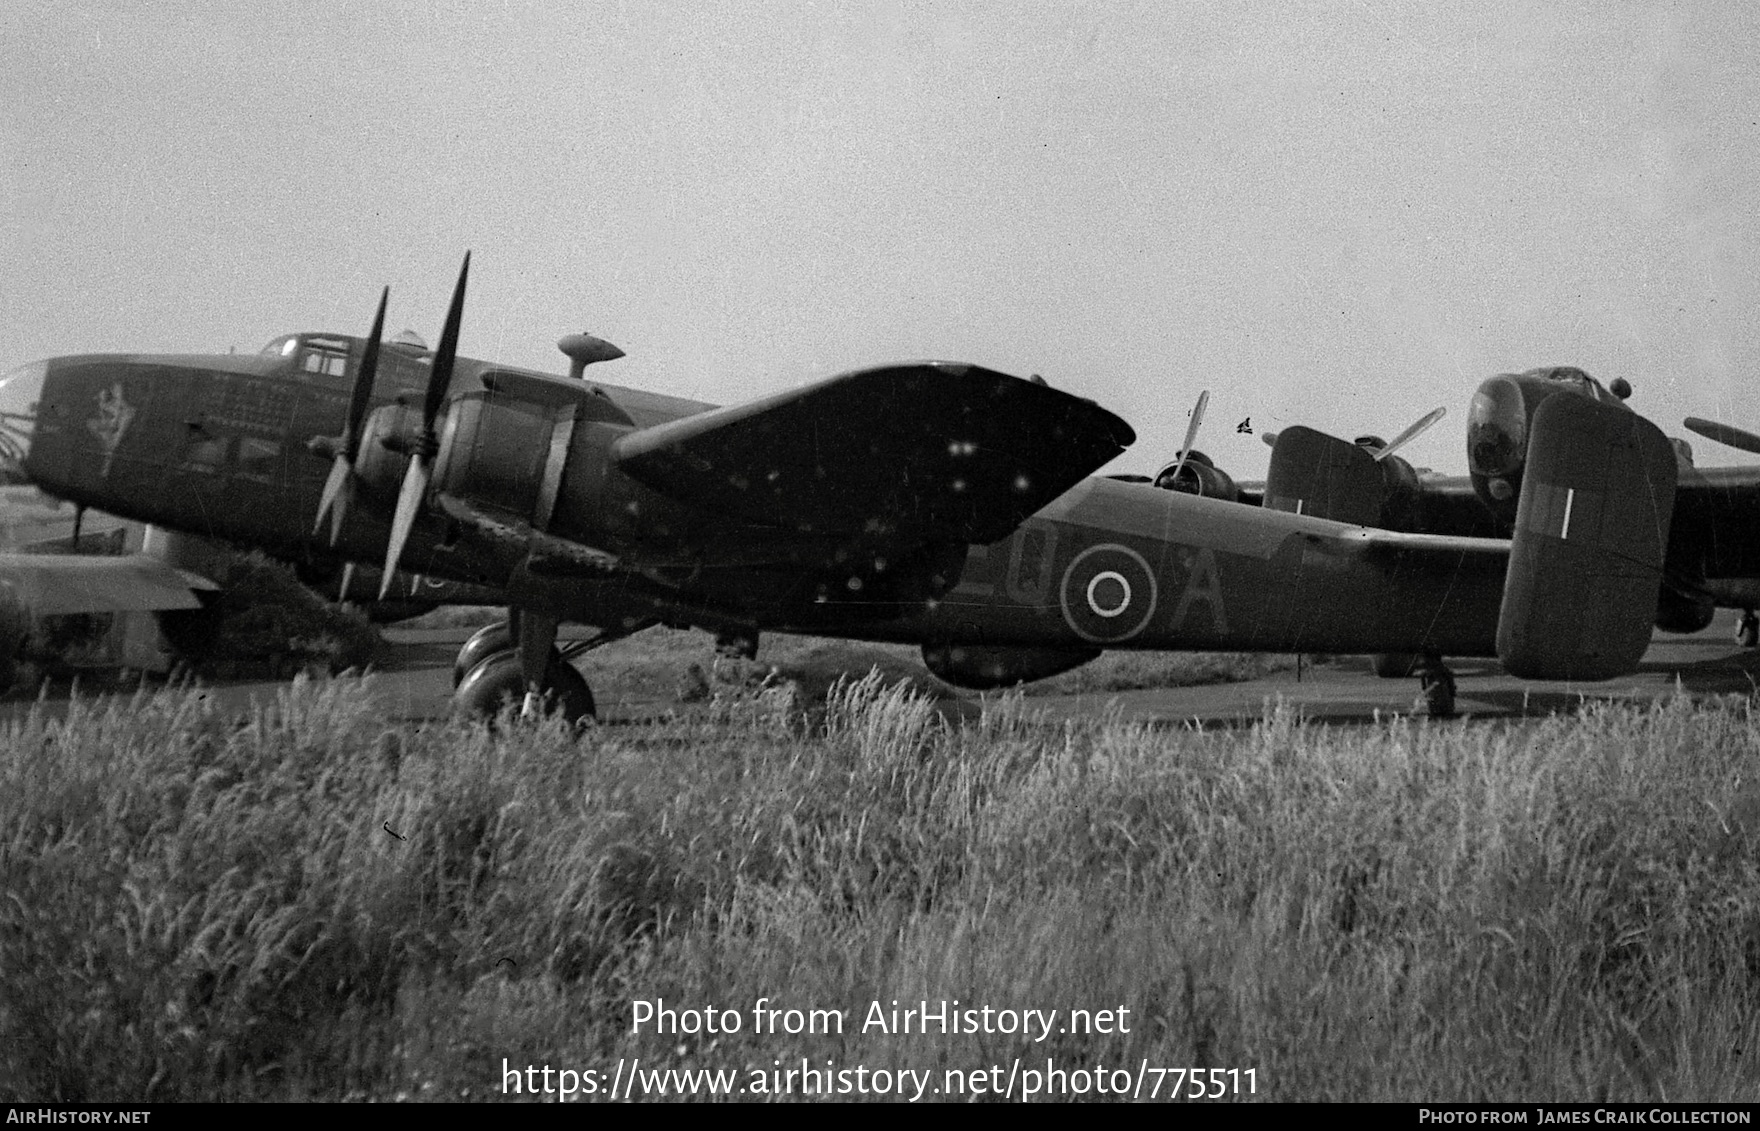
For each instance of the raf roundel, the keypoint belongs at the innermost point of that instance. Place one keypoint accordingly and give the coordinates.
(1108, 594)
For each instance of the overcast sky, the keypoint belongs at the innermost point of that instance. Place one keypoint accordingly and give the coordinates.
(1337, 214)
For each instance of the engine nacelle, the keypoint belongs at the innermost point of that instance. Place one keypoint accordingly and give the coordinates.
(984, 668)
(1199, 476)
(1683, 607)
(494, 453)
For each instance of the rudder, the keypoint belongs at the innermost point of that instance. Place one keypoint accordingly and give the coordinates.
(1591, 530)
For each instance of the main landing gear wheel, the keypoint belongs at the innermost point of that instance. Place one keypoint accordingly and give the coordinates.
(485, 642)
(1748, 629)
(496, 680)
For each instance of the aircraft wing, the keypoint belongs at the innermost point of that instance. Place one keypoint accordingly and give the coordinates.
(60, 584)
(928, 450)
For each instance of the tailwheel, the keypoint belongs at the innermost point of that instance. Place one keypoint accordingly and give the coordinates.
(497, 680)
(1437, 683)
(1748, 629)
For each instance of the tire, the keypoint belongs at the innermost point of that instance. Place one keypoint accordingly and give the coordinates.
(569, 687)
(484, 642)
(496, 681)
(1748, 630)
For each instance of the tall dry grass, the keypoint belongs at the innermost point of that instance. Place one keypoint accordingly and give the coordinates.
(195, 908)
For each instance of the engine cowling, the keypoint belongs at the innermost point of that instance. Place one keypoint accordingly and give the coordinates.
(1198, 476)
(493, 452)
(983, 668)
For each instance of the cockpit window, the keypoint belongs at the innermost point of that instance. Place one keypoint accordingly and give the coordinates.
(1575, 378)
(323, 361)
(314, 353)
(1579, 382)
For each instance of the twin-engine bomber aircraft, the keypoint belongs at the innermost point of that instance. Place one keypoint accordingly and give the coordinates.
(934, 503)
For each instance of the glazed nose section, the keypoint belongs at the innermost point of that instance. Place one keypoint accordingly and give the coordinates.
(21, 391)
(1497, 429)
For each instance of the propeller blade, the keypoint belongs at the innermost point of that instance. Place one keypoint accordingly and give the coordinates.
(347, 582)
(445, 353)
(415, 481)
(340, 470)
(336, 488)
(362, 394)
(1418, 429)
(1185, 450)
(1736, 438)
(409, 501)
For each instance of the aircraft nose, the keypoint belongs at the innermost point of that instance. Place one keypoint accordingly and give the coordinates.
(1497, 428)
(20, 393)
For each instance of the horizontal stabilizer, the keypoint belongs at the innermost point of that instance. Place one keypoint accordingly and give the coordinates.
(926, 450)
(1586, 557)
(62, 584)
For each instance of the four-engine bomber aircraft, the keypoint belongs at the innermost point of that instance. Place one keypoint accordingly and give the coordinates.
(941, 504)
(1711, 560)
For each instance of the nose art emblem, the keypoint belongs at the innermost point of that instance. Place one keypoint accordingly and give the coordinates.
(111, 423)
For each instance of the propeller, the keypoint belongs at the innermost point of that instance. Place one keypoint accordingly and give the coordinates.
(421, 462)
(1421, 426)
(1185, 449)
(1418, 429)
(337, 491)
(1735, 437)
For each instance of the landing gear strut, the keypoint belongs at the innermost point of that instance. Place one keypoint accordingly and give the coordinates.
(1748, 629)
(1437, 683)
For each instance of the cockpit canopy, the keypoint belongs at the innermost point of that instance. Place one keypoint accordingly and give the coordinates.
(403, 362)
(312, 353)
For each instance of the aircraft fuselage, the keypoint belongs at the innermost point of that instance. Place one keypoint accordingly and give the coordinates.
(218, 446)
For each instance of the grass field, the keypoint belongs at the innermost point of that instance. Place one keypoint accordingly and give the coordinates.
(315, 904)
